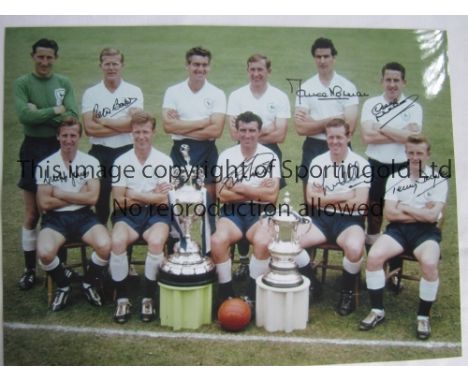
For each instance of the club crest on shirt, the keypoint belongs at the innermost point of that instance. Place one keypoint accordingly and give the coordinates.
(406, 116)
(271, 107)
(59, 96)
(208, 102)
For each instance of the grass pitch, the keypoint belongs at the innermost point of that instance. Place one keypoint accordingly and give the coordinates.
(154, 60)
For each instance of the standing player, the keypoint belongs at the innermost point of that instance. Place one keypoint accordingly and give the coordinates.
(325, 96)
(193, 113)
(42, 100)
(338, 198)
(107, 109)
(67, 187)
(272, 106)
(413, 205)
(263, 99)
(248, 181)
(139, 198)
(386, 122)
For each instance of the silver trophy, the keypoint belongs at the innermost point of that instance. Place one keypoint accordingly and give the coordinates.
(285, 247)
(186, 266)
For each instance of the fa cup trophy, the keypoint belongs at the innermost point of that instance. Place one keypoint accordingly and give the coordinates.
(186, 266)
(285, 246)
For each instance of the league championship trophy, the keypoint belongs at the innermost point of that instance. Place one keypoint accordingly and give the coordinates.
(285, 247)
(187, 275)
(186, 266)
(282, 293)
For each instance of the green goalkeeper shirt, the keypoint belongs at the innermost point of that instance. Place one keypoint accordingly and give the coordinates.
(45, 94)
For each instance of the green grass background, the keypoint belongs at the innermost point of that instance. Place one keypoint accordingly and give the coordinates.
(154, 60)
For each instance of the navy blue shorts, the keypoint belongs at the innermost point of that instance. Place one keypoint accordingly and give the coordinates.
(311, 148)
(202, 153)
(140, 218)
(411, 235)
(33, 150)
(332, 226)
(243, 215)
(71, 224)
(380, 174)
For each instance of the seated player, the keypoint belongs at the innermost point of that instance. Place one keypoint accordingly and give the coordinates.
(67, 188)
(248, 181)
(413, 205)
(137, 194)
(337, 192)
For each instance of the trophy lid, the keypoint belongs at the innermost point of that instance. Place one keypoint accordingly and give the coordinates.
(285, 214)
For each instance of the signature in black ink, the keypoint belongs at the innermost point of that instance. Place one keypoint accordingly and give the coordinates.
(117, 107)
(420, 186)
(380, 110)
(347, 174)
(333, 94)
(248, 169)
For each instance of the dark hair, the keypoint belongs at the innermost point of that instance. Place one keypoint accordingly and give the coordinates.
(417, 139)
(323, 43)
(247, 117)
(338, 122)
(141, 117)
(259, 57)
(45, 43)
(197, 51)
(394, 66)
(111, 52)
(68, 122)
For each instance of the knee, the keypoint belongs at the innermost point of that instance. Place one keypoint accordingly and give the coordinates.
(262, 239)
(46, 252)
(354, 251)
(119, 243)
(102, 246)
(430, 269)
(219, 248)
(156, 244)
(219, 241)
(261, 247)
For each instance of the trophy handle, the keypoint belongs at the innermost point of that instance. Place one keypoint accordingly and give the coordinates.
(271, 227)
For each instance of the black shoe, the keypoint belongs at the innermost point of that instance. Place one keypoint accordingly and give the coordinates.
(62, 295)
(423, 330)
(241, 273)
(91, 294)
(148, 313)
(122, 312)
(347, 303)
(371, 321)
(28, 279)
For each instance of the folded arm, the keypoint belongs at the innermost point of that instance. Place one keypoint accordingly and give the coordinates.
(87, 195)
(274, 132)
(155, 197)
(229, 191)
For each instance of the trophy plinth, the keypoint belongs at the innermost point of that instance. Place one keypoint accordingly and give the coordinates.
(186, 266)
(285, 247)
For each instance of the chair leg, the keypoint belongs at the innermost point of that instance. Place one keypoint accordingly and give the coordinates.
(399, 276)
(84, 259)
(324, 265)
(50, 287)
